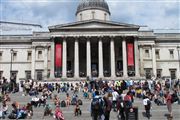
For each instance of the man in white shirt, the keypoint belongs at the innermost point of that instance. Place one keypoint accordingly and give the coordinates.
(35, 101)
(115, 96)
(147, 106)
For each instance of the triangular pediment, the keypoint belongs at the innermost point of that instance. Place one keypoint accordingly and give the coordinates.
(92, 24)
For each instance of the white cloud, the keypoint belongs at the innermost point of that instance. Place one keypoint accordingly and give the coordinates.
(154, 13)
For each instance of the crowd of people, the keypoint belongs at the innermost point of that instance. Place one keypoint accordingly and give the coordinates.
(105, 96)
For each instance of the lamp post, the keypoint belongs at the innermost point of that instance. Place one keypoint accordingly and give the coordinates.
(178, 49)
(12, 51)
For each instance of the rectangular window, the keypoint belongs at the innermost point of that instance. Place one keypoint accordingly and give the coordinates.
(39, 74)
(14, 56)
(0, 56)
(29, 56)
(1, 74)
(148, 73)
(147, 53)
(28, 74)
(173, 73)
(49, 53)
(48, 75)
(157, 54)
(171, 52)
(159, 72)
(39, 54)
(14, 73)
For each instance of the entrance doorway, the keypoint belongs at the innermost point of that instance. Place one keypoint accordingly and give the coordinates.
(94, 68)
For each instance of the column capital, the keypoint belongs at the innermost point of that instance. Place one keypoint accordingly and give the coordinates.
(88, 37)
(123, 38)
(153, 46)
(135, 37)
(64, 38)
(52, 39)
(76, 38)
(33, 46)
(112, 37)
(100, 37)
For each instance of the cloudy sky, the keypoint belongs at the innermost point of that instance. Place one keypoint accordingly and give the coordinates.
(157, 14)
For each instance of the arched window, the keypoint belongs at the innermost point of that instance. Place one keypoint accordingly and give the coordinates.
(105, 16)
(81, 17)
(93, 14)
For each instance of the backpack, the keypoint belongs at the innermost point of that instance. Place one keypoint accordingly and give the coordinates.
(149, 103)
(74, 101)
(80, 102)
(96, 104)
(63, 103)
(108, 106)
(174, 98)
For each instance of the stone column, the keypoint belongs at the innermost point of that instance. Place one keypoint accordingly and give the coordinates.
(33, 59)
(76, 58)
(52, 60)
(141, 55)
(45, 62)
(136, 56)
(154, 61)
(88, 57)
(112, 51)
(100, 57)
(64, 65)
(124, 57)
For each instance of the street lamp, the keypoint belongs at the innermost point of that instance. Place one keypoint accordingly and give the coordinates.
(178, 49)
(12, 51)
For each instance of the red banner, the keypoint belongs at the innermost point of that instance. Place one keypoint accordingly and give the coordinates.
(130, 51)
(58, 55)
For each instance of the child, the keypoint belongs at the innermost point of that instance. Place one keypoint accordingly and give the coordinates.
(77, 110)
(68, 99)
(47, 111)
(58, 114)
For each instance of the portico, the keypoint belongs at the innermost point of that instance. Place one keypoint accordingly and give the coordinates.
(94, 56)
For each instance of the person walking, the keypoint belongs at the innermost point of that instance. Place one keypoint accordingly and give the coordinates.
(120, 108)
(97, 107)
(168, 98)
(107, 108)
(147, 106)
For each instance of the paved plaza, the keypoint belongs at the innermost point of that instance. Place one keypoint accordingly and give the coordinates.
(158, 112)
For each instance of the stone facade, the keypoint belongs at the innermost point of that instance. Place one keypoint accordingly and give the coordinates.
(93, 46)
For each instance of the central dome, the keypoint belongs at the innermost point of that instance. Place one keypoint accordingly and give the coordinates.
(93, 9)
(93, 4)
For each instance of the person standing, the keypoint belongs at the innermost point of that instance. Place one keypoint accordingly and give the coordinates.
(168, 98)
(115, 95)
(107, 108)
(97, 107)
(120, 108)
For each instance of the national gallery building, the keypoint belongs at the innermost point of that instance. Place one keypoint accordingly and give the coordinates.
(92, 46)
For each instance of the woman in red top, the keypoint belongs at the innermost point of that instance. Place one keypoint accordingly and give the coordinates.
(168, 98)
